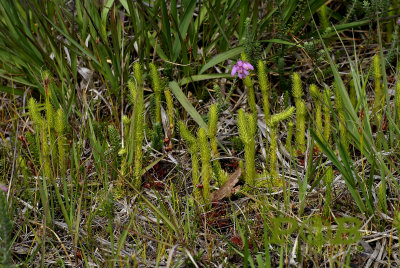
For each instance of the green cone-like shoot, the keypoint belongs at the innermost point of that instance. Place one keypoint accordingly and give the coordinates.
(323, 16)
(212, 134)
(155, 78)
(297, 90)
(273, 160)
(205, 155)
(34, 113)
(316, 95)
(327, 114)
(301, 126)
(170, 109)
(132, 91)
(193, 149)
(247, 125)
(276, 118)
(265, 89)
(139, 127)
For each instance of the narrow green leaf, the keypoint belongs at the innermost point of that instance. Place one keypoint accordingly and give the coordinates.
(221, 29)
(349, 180)
(183, 27)
(280, 41)
(11, 90)
(160, 51)
(73, 42)
(201, 77)
(346, 26)
(124, 3)
(104, 13)
(176, 90)
(166, 27)
(222, 57)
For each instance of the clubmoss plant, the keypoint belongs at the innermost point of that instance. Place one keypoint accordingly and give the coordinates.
(316, 95)
(265, 89)
(115, 140)
(220, 174)
(301, 112)
(297, 89)
(327, 114)
(45, 140)
(157, 135)
(45, 130)
(136, 89)
(328, 179)
(193, 147)
(273, 161)
(170, 111)
(323, 17)
(202, 146)
(34, 113)
(156, 84)
(124, 150)
(247, 125)
(34, 139)
(205, 156)
(130, 133)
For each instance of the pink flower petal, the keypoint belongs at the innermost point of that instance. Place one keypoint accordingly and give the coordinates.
(246, 73)
(247, 65)
(240, 63)
(234, 70)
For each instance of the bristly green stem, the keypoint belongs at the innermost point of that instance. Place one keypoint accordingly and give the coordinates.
(247, 125)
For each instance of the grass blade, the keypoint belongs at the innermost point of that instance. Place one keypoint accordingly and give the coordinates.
(186, 104)
(222, 57)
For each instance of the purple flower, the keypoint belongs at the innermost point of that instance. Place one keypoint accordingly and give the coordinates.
(242, 68)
